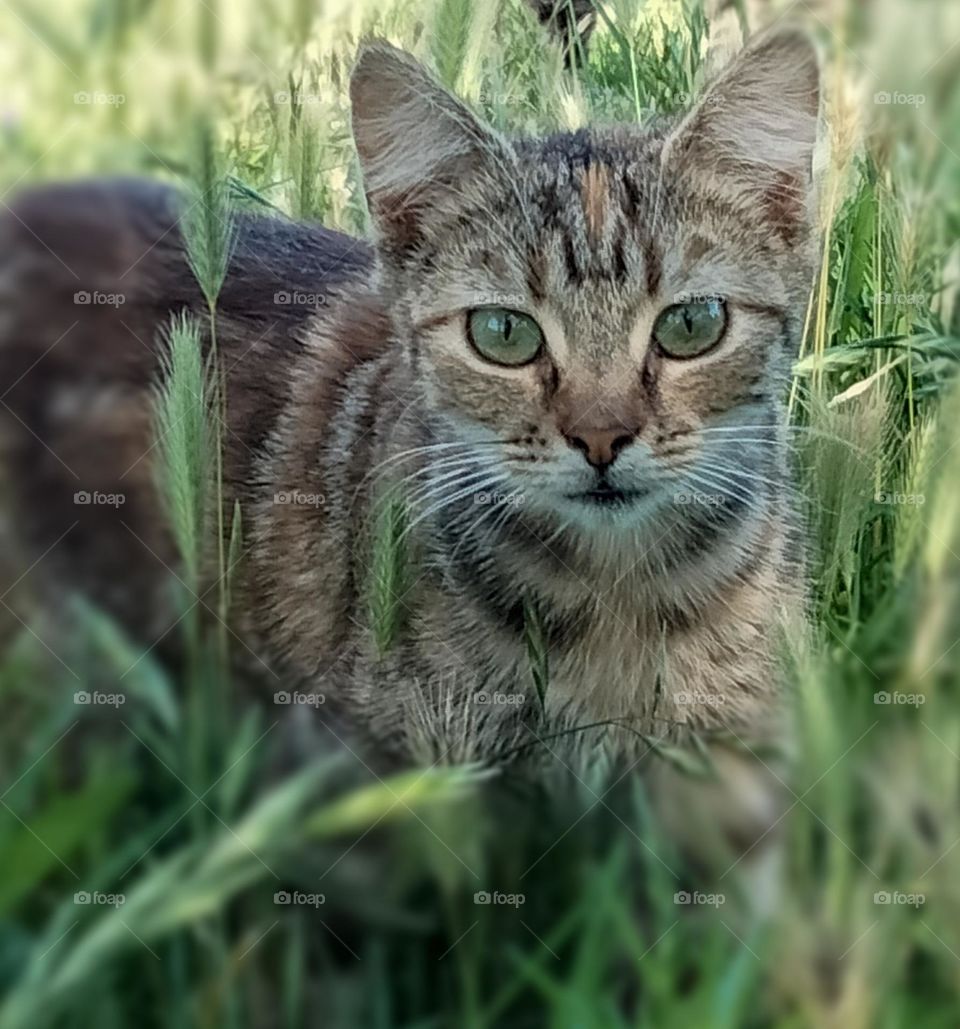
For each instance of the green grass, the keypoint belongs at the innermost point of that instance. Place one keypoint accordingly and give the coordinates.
(183, 801)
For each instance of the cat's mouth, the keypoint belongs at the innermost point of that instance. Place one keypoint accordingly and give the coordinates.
(604, 495)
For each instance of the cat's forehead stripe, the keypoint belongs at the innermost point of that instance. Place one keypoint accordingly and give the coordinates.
(594, 194)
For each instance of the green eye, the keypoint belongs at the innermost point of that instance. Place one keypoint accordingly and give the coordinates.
(689, 330)
(504, 336)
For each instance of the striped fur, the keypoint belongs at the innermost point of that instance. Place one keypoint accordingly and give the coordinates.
(659, 616)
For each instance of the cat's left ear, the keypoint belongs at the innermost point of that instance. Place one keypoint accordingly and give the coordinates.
(755, 127)
(421, 150)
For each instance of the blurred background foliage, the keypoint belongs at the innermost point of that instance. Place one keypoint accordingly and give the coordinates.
(183, 800)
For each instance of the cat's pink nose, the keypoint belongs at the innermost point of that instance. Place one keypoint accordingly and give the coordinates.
(600, 446)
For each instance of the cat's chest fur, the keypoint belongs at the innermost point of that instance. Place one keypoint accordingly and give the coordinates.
(461, 687)
(479, 678)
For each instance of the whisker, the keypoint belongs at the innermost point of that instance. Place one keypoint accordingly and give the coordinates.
(455, 462)
(500, 508)
(460, 471)
(464, 463)
(784, 483)
(788, 428)
(476, 487)
(698, 479)
(753, 439)
(434, 487)
(773, 426)
(427, 448)
(754, 483)
(424, 450)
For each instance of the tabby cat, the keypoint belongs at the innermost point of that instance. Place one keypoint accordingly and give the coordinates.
(554, 380)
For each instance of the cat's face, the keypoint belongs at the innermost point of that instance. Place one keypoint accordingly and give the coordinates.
(602, 320)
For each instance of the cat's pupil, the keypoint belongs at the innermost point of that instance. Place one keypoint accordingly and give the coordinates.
(687, 320)
(507, 328)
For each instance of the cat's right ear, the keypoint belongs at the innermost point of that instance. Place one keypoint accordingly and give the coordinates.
(755, 127)
(420, 148)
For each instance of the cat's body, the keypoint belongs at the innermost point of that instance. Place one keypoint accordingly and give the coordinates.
(558, 502)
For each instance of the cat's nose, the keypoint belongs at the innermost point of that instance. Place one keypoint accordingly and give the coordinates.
(600, 446)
